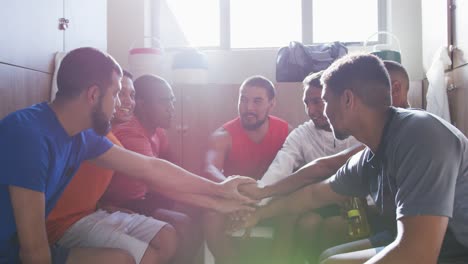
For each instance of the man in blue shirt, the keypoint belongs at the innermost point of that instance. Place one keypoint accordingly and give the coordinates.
(415, 167)
(42, 146)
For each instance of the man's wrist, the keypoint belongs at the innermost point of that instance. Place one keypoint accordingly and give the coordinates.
(38, 255)
(212, 204)
(262, 213)
(262, 190)
(266, 191)
(218, 189)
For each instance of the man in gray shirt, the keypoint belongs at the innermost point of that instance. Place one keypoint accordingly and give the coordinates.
(415, 166)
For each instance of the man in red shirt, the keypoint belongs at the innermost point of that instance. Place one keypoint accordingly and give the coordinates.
(145, 119)
(246, 146)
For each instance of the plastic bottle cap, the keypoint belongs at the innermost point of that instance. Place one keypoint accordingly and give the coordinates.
(353, 213)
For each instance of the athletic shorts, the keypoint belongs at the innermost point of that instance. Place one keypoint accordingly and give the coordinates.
(148, 204)
(130, 232)
(329, 211)
(382, 239)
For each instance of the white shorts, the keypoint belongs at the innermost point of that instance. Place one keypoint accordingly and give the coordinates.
(130, 232)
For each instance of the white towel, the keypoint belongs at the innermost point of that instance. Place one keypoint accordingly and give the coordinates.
(58, 59)
(437, 99)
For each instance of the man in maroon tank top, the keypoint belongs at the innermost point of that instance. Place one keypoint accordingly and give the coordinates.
(246, 146)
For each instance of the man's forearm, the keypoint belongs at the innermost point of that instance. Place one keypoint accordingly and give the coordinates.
(313, 172)
(310, 173)
(171, 177)
(295, 203)
(419, 240)
(29, 211)
(199, 200)
(221, 205)
(39, 255)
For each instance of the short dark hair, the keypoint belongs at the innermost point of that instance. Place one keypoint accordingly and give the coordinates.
(82, 68)
(395, 67)
(146, 85)
(260, 81)
(313, 80)
(364, 74)
(127, 74)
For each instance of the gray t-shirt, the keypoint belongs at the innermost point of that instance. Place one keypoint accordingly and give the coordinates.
(420, 168)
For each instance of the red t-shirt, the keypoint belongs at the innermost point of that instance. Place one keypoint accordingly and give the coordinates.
(248, 158)
(79, 198)
(135, 137)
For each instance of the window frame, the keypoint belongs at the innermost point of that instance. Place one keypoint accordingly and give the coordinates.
(307, 27)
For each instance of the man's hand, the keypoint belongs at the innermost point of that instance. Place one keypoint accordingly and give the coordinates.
(227, 206)
(230, 189)
(242, 219)
(252, 190)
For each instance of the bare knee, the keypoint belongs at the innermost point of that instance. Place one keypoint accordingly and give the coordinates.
(218, 242)
(213, 223)
(164, 244)
(168, 241)
(180, 221)
(99, 255)
(309, 223)
(122, 256)
(183, 223)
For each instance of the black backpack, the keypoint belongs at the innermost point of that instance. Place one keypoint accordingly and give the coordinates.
(296, 61)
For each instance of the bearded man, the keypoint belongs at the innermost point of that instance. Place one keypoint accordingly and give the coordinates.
(245, 145)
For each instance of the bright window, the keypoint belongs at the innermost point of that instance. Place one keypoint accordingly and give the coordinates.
(344, 20)
(190, 23)
(265, 23)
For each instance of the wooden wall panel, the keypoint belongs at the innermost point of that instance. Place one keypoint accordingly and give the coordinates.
(21, 87)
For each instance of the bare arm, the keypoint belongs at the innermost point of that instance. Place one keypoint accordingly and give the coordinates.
(160, 174)
(208, 202)
(419, 240)
(220, 143)
(313, 172)
(29, 211)
(310, 197)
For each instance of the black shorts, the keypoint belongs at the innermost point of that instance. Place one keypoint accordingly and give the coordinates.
(382, 238)
(329, 211)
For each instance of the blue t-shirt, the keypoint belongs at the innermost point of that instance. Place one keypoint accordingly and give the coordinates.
(420, 168)
(36, 153)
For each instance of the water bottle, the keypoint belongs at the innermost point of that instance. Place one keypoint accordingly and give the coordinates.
(358, 226)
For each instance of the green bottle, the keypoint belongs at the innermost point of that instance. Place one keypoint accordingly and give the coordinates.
(358, 226)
